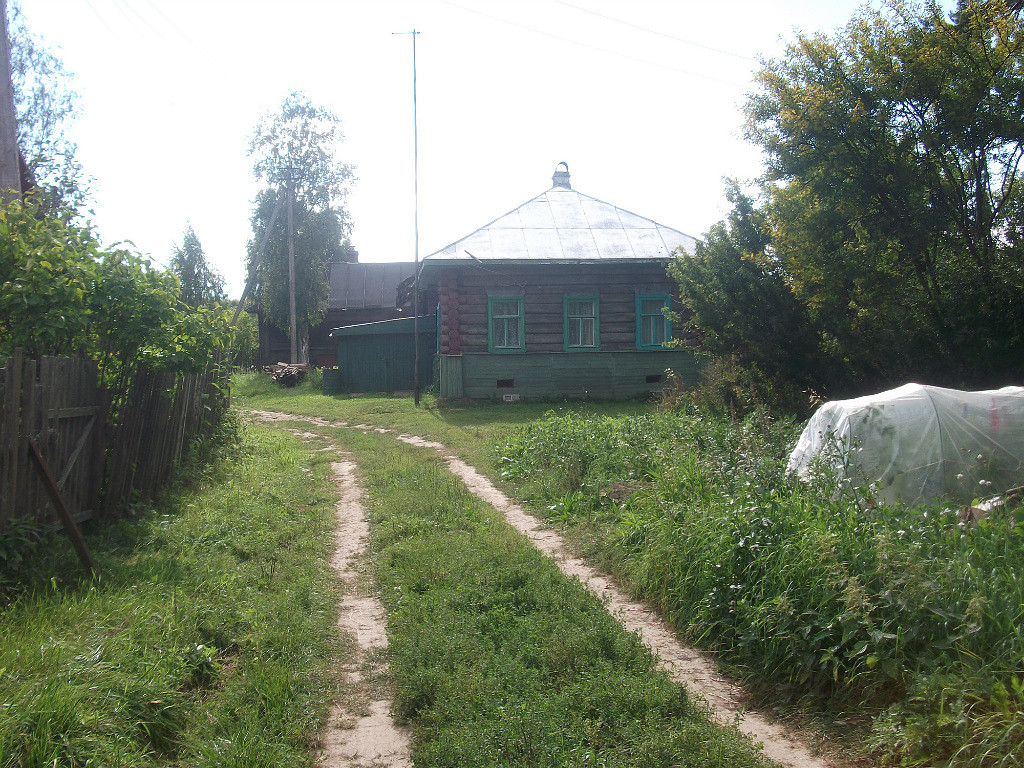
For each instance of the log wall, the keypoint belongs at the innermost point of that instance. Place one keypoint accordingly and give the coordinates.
(464, 293)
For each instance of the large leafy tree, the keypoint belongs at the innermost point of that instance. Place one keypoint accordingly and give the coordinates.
(892, 200)
(300, 140)
(46, 105)
(200, 284)
(738, 294)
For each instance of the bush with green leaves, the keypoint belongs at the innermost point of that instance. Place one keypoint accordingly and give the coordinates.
(63, 293)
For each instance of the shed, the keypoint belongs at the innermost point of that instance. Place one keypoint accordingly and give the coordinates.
(359, 293)
(379, 357)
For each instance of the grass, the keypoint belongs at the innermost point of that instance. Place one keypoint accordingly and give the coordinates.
(819, 597)
(822, 600)
(208, 639)
(469, 428)
(500, 660)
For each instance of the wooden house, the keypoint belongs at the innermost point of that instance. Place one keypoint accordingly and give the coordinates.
(565, 296)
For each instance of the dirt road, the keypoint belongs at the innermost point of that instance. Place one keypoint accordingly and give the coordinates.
(683, 662)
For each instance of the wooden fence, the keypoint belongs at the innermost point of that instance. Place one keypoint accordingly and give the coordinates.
(99, 464)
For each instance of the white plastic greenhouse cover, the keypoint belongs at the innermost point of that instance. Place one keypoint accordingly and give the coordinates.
(916, 443)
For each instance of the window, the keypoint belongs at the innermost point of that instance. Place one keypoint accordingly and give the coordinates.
(505, 327)
(653, 328)
(581, 323)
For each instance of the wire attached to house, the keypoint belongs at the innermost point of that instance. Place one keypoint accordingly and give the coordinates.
(480, 265)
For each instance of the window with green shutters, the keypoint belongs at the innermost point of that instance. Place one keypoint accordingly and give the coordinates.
(582, 323)
(505, 324)
(653, 328)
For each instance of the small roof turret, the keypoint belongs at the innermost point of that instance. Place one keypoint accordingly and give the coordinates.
(561, 178)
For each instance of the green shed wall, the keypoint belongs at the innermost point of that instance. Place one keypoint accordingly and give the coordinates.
(383, 362)
(565, 374)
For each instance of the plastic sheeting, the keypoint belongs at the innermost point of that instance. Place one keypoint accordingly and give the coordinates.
(917, 444)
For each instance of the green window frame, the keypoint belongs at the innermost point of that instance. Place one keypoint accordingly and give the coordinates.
(581, 323)
(506, 324)
(653, 328)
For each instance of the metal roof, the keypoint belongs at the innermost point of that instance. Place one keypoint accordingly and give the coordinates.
(424, 324)
(364, 285)
(565, 225)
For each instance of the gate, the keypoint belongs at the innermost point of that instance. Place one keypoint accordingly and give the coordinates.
(57, 402)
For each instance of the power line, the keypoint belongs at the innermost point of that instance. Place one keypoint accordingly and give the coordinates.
(655, 32)
(608, 51)
(183, 35)
(103, 21)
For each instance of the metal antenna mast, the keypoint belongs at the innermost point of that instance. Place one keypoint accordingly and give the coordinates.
(416, 226)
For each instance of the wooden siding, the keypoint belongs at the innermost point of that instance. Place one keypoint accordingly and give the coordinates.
(560, 374)
(450, 376)
(276, 347)
(464, 292)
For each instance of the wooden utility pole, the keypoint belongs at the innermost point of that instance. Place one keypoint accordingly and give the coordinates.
(254, 267)
(416, 226)
(10, 172)
(291, 270)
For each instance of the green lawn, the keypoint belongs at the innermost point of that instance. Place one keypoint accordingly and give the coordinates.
(901, 621)
(209, 638)
(498, 659)
(468, 428)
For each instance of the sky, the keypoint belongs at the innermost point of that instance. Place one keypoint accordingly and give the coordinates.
(642, 99)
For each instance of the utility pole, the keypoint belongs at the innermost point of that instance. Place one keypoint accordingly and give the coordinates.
(416, 226)
(291, 269)
(10, 171)
(254, 267)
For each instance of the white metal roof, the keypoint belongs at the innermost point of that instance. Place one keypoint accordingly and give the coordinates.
(565, 225)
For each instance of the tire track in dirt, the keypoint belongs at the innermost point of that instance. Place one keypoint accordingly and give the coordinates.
(684, 663)
(360, 733)
(373, 738)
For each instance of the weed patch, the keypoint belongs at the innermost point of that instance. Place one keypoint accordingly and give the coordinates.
(206, 641)
(903, 611)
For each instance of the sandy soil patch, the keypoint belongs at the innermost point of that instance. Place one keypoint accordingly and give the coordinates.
(368, 737)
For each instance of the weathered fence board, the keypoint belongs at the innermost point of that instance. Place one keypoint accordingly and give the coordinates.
(97, 466)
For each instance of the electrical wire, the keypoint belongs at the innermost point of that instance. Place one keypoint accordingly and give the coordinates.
(608, 51)
(654, 31)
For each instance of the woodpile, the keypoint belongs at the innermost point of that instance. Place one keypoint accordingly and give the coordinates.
(287, 374)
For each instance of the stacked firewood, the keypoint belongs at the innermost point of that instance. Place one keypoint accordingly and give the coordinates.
(287, 374)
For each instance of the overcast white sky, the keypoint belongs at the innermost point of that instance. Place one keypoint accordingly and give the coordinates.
(641, 99)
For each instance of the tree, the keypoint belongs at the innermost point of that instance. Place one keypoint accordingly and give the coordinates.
(300, 139)
(46, 105)
(739, 296)
(892, 198)
(200, 285)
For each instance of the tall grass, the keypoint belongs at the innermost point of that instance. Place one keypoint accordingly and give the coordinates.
(206, 641)
(903, 611)
(498, 659)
